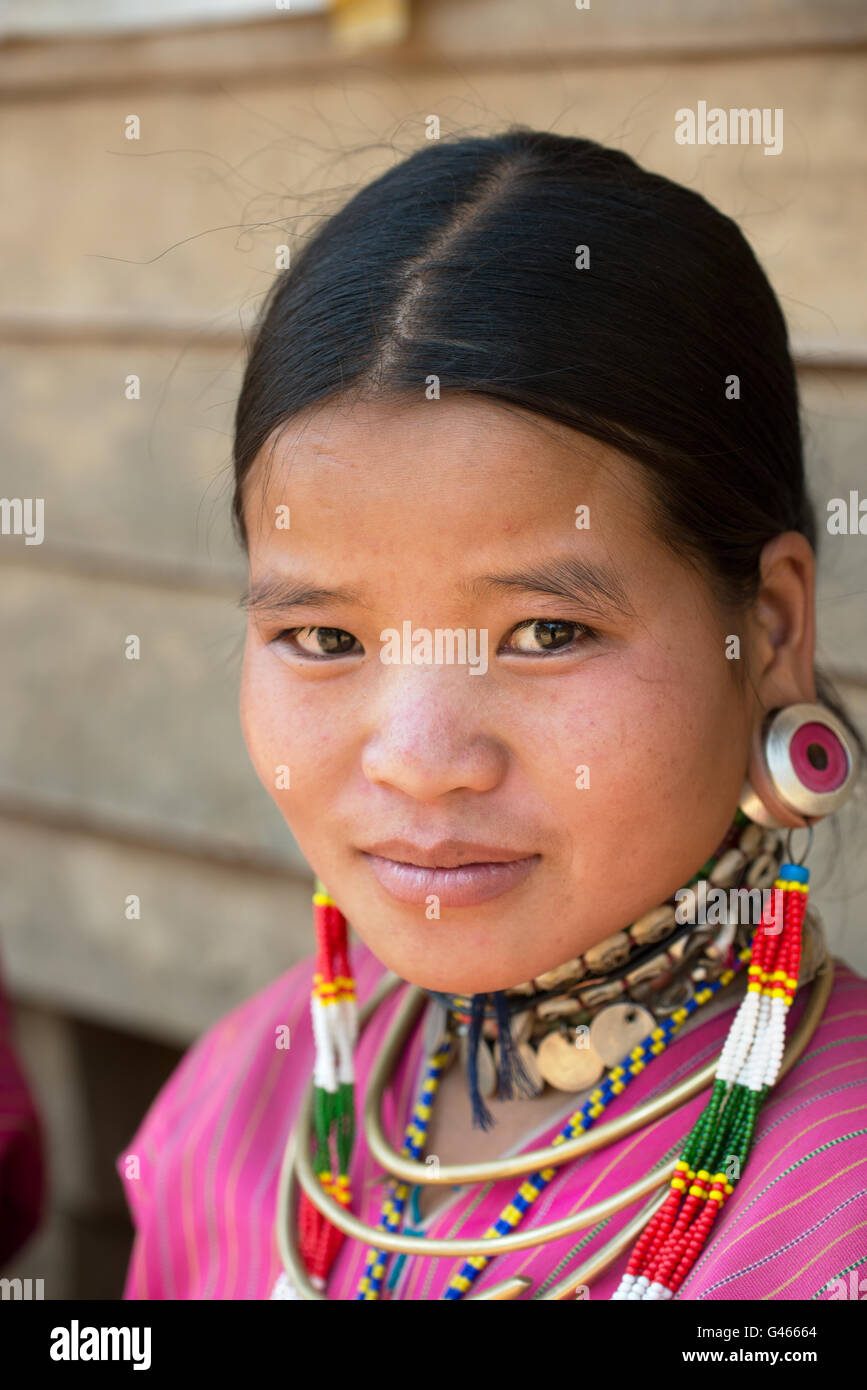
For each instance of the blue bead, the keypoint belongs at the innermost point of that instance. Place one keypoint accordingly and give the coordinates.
(798, 872)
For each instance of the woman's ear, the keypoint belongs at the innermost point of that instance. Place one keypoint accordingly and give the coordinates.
(781, 649)
(783, 623)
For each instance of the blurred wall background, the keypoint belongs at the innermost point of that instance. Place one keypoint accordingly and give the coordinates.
(148, 257)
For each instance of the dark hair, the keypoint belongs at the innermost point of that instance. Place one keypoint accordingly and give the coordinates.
(461, 262)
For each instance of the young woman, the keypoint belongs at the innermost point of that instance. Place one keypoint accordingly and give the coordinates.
(530, 649)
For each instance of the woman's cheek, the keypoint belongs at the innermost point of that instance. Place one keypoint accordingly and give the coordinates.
(290, 738)
(263, 718)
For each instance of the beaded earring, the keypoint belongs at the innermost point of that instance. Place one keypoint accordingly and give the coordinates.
(334, 1014)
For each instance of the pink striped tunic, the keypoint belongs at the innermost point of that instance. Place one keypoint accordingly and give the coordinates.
(211, 1144)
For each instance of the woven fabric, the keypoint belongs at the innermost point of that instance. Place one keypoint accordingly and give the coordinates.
(211, 1145)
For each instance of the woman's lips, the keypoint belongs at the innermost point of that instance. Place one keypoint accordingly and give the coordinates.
(465, 885)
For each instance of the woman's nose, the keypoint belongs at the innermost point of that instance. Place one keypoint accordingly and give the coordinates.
(429, 739)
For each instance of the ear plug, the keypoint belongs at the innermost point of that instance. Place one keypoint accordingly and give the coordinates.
(809, 762)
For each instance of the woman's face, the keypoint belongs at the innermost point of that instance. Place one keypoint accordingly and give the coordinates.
(584, 749)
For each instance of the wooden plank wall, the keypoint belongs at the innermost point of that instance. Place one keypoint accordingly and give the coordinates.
(150, 257)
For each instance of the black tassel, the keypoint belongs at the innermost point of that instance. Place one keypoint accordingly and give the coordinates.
(512, 1072)
(482, 1117)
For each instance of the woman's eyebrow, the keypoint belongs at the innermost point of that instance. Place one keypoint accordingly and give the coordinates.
(590, 584)
(595, 586)
(272, 595)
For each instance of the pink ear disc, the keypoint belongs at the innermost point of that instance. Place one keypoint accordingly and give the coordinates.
(818, 757)
(808, 763)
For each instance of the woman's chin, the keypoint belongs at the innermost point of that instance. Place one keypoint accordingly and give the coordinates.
(453, 979)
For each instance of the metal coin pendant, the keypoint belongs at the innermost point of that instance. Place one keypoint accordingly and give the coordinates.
(617, 1029)
(565, 1066)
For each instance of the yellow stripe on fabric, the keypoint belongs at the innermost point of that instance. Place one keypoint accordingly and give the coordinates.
(746, 1182)
(817, 1076)
(859, 1226)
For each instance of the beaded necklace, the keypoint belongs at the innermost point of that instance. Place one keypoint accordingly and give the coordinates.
(578, 1123)
(712, 1158)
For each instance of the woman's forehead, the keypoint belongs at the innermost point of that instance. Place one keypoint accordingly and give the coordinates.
(497, 466)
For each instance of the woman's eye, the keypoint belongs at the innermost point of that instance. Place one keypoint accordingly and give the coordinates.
(318, 641)
(538, 635)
